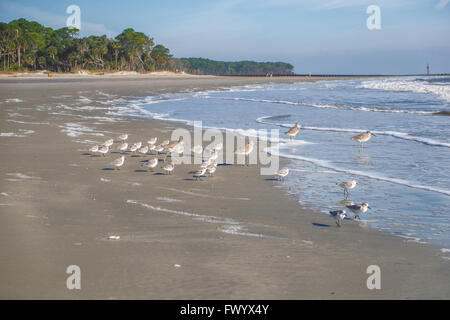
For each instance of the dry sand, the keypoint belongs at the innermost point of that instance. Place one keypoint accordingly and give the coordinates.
(179, 239)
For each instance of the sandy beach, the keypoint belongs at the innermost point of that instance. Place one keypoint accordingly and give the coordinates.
(232, 236)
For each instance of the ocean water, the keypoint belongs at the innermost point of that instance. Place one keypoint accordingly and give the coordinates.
(403, 172)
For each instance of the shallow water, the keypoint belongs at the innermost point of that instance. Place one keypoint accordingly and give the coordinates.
(403, 172)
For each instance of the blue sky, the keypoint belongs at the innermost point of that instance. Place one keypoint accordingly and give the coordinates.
(318, 36)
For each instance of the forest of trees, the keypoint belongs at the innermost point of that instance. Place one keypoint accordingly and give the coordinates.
(29, 46)
(207, 66)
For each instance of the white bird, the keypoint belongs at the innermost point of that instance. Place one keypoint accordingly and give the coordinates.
(211, 169)
(199, 173)
(143, 150)
(198, 149)
(93, 148)
(358, 209)
(339, 216)
(165, 143)
(245, 150)
(103, 150)
(134, 147)
(152, 141)
(169, 167)
(292, 132)
(123, 147)
(152, 163)
(159, 148)
(282, 173)
(346, 185)
(118, 162)
(108, 143)
(122, 137)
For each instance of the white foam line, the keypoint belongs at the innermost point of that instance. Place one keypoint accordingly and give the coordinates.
(196, 216)
(202, 195)
(330, 106)
(395, 134)
(328, 165)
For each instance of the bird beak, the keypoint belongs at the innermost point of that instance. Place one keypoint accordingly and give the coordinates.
(369, 207)
(374, 134)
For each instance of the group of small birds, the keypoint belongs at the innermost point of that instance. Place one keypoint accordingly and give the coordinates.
(209, 165)
(356, 209)
(166, 147)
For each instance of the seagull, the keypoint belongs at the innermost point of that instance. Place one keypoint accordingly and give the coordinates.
(292, 132)
(358, 209)
(338, 216)
(346, 185)
(118, 162)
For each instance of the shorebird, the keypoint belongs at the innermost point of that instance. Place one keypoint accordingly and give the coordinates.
(152, 141)
(103, 150)
(363, 137)
(165, 143)
(169, 167)
(292, 132)
(152, 163)
(151, 148)
(134, 147)
(246, 150)
(358, 209)
(205, 163)
(199, 173)
(159, 148)
(198, 149)
(123, 147)
(118, 162)
(346, 185)
(122, 137)
(108, 143)
(143, 150)
(93, 148)
(213, 155)
(211, 169)
(282, 173)
(338, 216)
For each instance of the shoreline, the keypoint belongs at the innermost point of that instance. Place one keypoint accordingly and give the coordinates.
(63, 212)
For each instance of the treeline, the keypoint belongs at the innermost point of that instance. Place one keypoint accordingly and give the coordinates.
(28, 45)
(207, 66)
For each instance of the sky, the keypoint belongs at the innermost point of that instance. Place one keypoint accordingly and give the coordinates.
(317, 36)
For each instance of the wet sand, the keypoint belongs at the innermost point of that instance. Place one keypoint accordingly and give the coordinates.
(232, 236)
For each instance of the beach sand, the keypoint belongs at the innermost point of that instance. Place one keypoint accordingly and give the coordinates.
(232, 236)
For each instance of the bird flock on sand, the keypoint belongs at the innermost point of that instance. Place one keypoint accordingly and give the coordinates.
(356, 209)
(209, 163)
(162, 151)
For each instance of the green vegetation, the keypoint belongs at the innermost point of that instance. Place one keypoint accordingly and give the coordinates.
(206, 66)
(28, 45)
